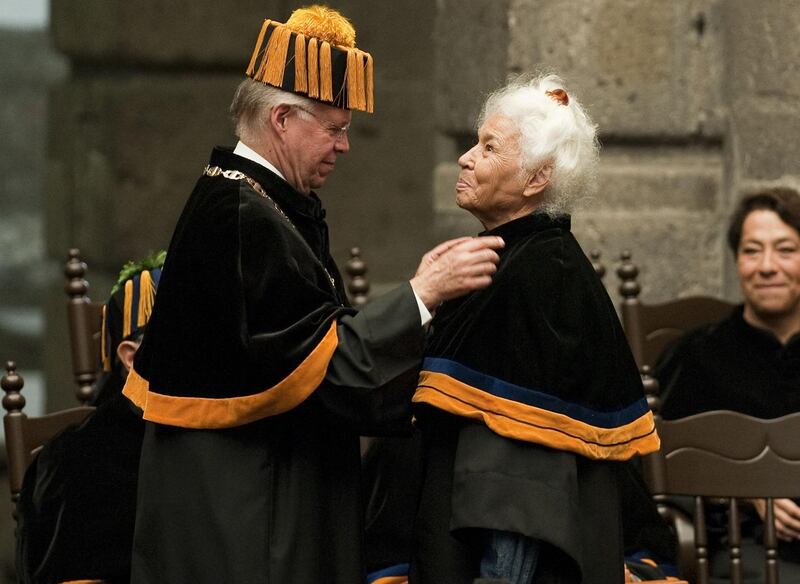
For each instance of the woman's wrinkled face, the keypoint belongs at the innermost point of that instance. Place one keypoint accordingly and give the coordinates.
(768, 262)
(490, 184)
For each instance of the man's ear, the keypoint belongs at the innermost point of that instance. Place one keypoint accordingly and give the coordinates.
(277, 117)
(125, 351)
(538, 181)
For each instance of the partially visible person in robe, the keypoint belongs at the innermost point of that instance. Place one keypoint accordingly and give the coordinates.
(750, 362)
(256, 376)
(529, 399)
(78, 499)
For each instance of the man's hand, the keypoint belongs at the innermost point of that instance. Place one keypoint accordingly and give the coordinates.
(456, 267)
(787, 517)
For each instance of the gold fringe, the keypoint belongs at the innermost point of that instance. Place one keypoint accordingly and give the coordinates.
(147, 296)
(325, 73)
(368, 84)
(126, 309)
(360, 74)
(351, 79)
(257, 48)
(274, 65)
(104, 356)
(313, 68)
(300, 63)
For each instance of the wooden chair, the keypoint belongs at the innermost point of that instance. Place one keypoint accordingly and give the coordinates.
(743, 457)
(85, 322)
(25, 435)
(650, 328)
(735, 460)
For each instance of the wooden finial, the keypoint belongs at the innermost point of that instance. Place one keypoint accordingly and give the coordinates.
(75, 271)
(598, 266)
(652, 389)
(12, 384)
(357, 284)
(85, 359)
(627, 272)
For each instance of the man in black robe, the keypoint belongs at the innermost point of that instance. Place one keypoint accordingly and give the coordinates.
(256, 377)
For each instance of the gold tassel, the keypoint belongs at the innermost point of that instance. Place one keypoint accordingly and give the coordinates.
(300, 75)
(325, 74)
(274, 64)
(360, 73)
(257, 50)
(126, 309)
(104, 356)
(368, 85)
(313, 68)
(147, 296)
(351, 79)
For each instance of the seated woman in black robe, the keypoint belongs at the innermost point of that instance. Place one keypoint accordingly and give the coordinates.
(750, 362)
(78, 498)
(529, 399)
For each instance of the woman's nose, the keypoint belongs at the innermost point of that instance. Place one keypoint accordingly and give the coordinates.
(767, 263)
(465, 160)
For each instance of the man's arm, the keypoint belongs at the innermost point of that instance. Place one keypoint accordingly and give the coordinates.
(373, 372)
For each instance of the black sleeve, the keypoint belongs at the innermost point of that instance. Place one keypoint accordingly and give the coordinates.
(373, 372)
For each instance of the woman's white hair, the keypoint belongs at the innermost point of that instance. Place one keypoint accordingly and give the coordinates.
(253, 100)
(550, 132)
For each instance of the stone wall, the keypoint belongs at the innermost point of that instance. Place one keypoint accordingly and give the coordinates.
(28, 67)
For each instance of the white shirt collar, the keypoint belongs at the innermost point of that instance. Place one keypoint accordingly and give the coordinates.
(245, 151)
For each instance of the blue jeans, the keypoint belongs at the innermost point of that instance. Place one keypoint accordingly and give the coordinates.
(509, 556)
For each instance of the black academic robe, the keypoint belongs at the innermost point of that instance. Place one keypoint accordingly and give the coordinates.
(730, 365)
(528, 400)
(256, 379)
(78, 497)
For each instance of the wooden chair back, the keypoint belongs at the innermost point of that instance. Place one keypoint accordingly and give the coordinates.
(25, 435)
(84, 318)
(650, 328)
(730, 456)
(357, 284)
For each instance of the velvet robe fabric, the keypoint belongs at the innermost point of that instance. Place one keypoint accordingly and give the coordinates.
(528, 399)
(250, 461)
(730, 365)
(540, 355)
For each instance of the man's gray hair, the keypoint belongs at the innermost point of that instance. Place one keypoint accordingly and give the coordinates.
(550, 133)
(251, 104)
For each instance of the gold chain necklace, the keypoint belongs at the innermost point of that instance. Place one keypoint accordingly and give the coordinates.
(239, 175)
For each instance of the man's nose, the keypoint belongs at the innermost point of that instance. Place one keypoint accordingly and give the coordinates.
(342, 143)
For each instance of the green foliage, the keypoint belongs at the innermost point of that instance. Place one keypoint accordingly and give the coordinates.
(133, 267)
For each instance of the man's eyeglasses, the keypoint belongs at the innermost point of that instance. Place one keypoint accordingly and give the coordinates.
(335, 132)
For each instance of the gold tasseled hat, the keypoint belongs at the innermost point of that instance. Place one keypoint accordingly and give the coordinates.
(314, 54)
(128, 310)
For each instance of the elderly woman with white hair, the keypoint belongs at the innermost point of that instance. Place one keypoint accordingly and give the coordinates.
(529, 397)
